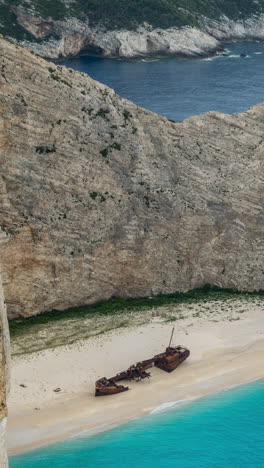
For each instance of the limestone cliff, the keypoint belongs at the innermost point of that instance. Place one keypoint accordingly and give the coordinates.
(101, 198)
(75, 37)
(71, 37)
(226, 29)
(4, 377)
(61, 28)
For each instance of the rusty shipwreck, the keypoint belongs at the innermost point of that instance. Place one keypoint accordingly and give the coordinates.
(167, 361)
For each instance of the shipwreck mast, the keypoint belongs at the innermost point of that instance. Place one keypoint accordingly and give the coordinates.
(171, 337)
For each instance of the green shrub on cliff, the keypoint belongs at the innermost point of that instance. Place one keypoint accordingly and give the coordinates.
(127, 14)
(9, 27)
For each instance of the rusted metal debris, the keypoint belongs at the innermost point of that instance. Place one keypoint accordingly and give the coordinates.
(168, 361)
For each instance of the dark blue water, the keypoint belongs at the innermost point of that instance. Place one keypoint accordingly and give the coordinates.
(180, 88)
(222, 431)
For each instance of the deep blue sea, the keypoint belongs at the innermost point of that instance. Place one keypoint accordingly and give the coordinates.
(180, 88)
(225, 430)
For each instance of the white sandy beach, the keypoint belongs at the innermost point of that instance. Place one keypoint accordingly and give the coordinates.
(227, 349)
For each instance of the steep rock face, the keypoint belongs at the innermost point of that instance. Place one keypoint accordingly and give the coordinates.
(76, 36)
(226, 29)
(68, 37)
(4, 377)
(101, 198)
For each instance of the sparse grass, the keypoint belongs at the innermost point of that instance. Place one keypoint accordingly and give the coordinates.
(170, 319)
(56, 77)
(58, 328)
(115, 306)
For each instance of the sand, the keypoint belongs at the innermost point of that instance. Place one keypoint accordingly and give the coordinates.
(227, 349)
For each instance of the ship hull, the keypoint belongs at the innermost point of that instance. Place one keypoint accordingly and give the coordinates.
(110, 390)
(169, 363)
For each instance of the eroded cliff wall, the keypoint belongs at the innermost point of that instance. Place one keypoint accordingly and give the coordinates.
(101, 198)
(4, 376)
(72, 37)
(62, 29)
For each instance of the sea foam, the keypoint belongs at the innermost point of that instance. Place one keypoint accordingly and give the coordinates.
(224, 430)
(170, 404)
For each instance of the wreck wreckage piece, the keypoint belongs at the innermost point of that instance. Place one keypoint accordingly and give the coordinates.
(106, 386)
(167, 361)
(172, 358)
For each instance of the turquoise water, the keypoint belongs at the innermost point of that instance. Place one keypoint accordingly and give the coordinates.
(180, 88)
(222, 431)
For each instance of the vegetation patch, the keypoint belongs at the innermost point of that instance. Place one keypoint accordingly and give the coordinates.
(116, 305)
(9, 26)
(129, 14)
(54, 9)
(59, 328)
(116, 146)
(56, 77)
(97, 195)
(146, 201)
(126, 114)
(104, 152)
(8, 231)
(125, 14)
(102, 113)
(46, 149)
(86, 110)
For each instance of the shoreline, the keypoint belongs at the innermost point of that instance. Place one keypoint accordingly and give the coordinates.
(146, 58)
(149, 58)
(225, 352)
(80, 428)
(98, 429)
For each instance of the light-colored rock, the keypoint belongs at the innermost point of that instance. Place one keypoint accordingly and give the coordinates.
(3, 453)
(4, 377)
(101, 198)
(226, 29)
(77, 36)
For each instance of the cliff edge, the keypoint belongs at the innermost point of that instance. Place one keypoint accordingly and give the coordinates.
(4, 377)
(130, 29)
(101, 198)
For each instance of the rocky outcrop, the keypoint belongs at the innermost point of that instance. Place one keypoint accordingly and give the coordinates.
(69, 37)
(101, 198)
(4, 377)
(74, 37)
(227, 29)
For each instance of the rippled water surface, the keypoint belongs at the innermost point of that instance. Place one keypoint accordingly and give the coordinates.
(222, 431)
(180, 88)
